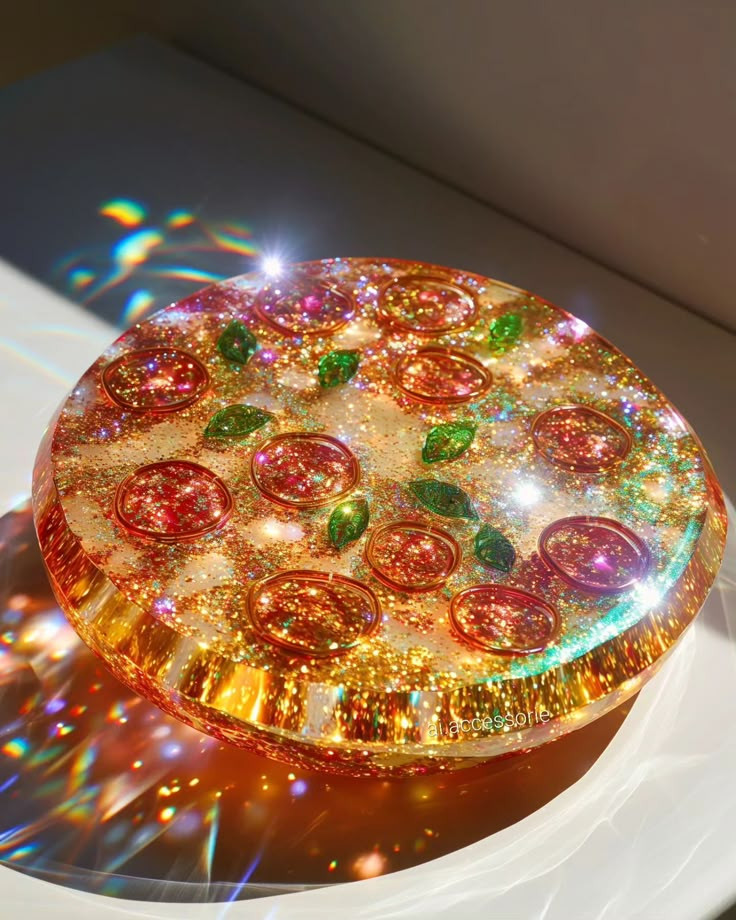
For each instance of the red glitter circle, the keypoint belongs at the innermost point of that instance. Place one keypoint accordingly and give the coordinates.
(316, 614)
(441, 375)
(595, 554)
(172, 500)
(412, 557)
(426, 305)
(305, 307)
(580, 438)
(303, 470)
(505, 621)
(155, 380)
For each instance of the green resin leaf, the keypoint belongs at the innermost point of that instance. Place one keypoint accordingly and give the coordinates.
(337, 367)
(348, 521)
(236, 421)
(444, 498)
(505, 332)
(493, 549)
(445, 442)
(237, 343)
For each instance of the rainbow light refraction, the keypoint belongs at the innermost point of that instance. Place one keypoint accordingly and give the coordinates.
(156, 259)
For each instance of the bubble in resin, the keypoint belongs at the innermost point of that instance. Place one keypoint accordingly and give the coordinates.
(304, 470)
(594, 554)
(505, 621)
(317, 614)
(441, 375)
(305, 307)
(172, 500)
(580, 438)
(408, 556)
(155, 379)
(426, 305)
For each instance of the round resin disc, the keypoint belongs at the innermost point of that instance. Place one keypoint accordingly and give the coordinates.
(375, 516)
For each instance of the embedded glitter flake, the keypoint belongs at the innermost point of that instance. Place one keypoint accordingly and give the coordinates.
(441, 375)
(504, 332)
(304, 470)
(237, 343)
(448, 441)
(443, 498)
(155, 380)
(348, 522)
(337, 367)
(493, 549)
(594, 554)
(580, 438)
(314, 614)
(237, 421)
(305, 307)
(426, 305)
(505, 621)
(172, 500)
(408, 556)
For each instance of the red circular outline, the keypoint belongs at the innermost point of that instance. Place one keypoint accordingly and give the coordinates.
(628, 535)
(172, 538)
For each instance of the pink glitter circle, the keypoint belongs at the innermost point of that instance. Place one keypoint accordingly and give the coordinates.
(316, 614)
(580, 438)
(441, 375)
(426, 305)
(594, 554)
(304, 470)
(172, 500)
(305, 307)
(155, 380)
(411, 557)
(505, 621)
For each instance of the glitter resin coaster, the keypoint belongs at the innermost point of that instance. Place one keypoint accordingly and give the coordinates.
(375, 517)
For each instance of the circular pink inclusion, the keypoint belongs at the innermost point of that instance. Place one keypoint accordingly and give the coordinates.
(441, 375)
(305, 308)
(598, 555)
(172, 500)
(155, 379)
(312, 613)
(580, 438)
(411, 557)
(505, 621)
(304, 470)
(427, 305)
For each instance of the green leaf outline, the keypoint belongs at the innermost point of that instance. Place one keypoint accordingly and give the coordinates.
(444, 498)
(348, 522)
(237, 421)
(337, 367)
(493, 549)
(237, 343)
(462, 432)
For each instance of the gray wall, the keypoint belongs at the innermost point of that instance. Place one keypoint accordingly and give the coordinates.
(608, 125)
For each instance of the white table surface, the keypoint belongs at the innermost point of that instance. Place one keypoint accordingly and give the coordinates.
(649, 830)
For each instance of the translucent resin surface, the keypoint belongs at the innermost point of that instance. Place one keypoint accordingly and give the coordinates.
(375, 517)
